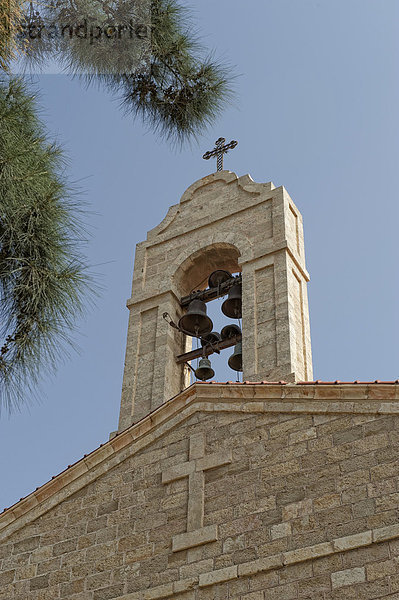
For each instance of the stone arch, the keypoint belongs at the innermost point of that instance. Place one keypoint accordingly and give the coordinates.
(207, 256)
(193, 272)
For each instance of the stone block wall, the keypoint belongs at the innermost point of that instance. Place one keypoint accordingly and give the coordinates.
(283, 505)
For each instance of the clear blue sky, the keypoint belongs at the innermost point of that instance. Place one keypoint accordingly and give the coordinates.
(317, 111)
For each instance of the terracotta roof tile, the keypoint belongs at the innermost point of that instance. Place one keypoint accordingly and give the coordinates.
(317, 382)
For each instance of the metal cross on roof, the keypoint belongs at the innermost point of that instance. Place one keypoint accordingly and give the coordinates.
(219, 151)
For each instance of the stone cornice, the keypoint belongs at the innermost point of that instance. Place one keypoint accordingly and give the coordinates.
(313, 397)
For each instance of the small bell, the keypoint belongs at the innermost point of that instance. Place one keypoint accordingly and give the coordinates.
(196, 322)
(235, 360)
(210, 338)
(230, 331)
(204, 370)
(218, 277)
(232, 306)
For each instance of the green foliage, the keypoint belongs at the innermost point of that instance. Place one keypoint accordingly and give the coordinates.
(42, 274)
(168, 82)
(10, 14)
(180, 94)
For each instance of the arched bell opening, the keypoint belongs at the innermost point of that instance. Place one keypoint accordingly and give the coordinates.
(200, 312)
(193, 273)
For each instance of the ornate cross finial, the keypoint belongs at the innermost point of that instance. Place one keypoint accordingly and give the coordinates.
(219, 151)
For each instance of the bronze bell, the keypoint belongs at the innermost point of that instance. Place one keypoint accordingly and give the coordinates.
(235, 360)
(232, 306)
(204, 370)
(230, 331)
(196, 322)
(218, 277)
(211, 338)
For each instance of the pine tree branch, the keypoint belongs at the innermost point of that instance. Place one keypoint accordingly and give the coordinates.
(43, 277)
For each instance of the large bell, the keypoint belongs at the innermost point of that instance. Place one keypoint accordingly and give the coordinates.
(230, 331)
(232, 306)
(210, 338)
(196, 322)
(235, 360)
(218, 277)
(204, 370)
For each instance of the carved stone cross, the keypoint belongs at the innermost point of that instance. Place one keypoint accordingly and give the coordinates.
(195, 469)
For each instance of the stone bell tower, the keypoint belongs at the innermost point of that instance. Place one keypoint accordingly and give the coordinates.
(222, 222)
(271, 489)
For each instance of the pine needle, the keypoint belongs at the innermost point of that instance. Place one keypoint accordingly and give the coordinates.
(176, 89)
(43, 277)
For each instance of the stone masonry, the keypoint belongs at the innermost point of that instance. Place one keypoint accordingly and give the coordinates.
(249, 491)
(226, 492)
(222, 222)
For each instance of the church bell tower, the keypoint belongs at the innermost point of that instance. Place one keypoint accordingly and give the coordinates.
(275, 487)
(222, 222)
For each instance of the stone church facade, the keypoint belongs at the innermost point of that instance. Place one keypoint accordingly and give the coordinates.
(279, 487)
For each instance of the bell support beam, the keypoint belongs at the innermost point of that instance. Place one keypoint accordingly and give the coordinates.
(207, 350)
(211, 293)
